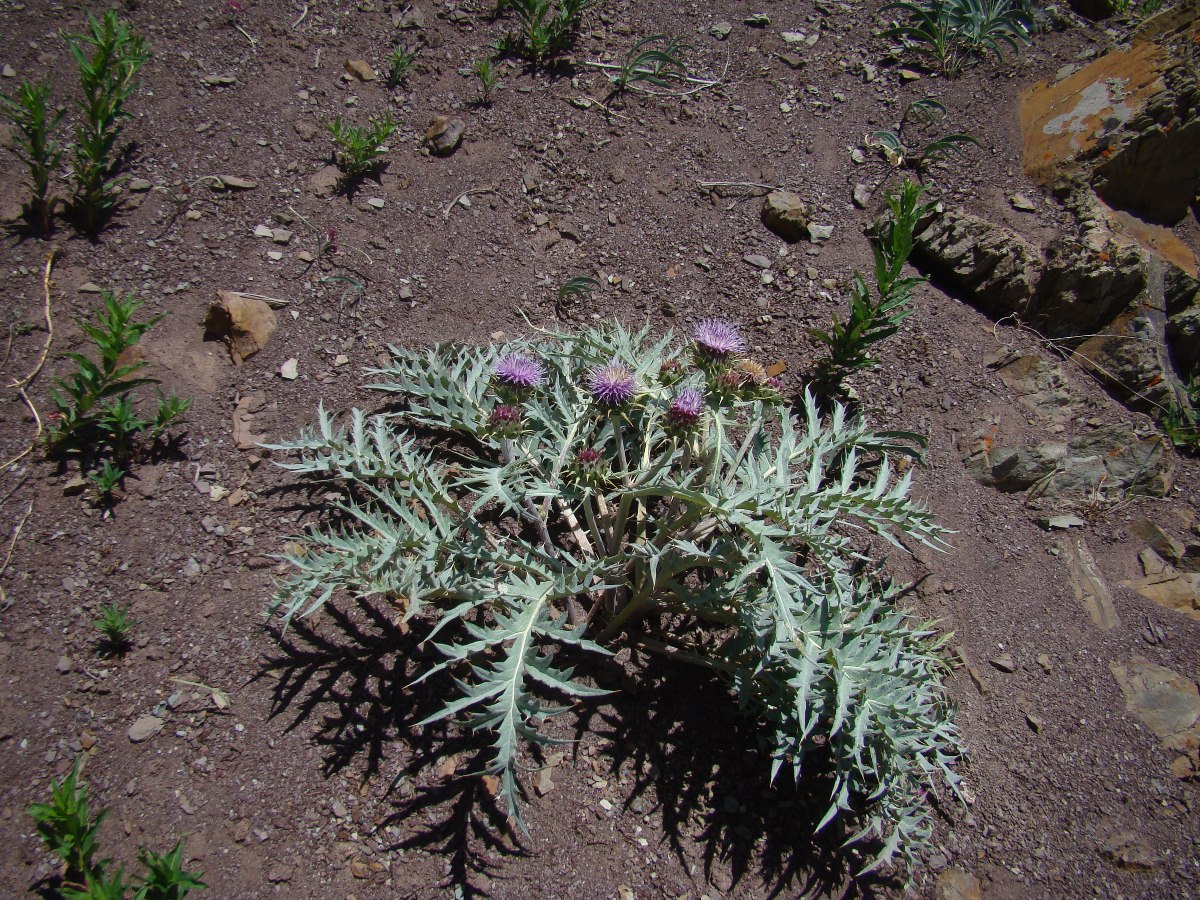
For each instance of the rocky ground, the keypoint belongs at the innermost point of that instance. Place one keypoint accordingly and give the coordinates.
(291, 767)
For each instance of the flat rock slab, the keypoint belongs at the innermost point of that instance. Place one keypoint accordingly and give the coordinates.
(1167, 702)
(145, 728)
(1087, 584)
(244, 323)
(1062, 122)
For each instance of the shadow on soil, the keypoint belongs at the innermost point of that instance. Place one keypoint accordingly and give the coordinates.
(675, 732)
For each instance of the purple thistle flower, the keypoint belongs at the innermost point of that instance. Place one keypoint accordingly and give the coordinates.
(611, 385)
(516, 370)
(775, 383)
(718, 337)
(589, 456)
(686, 407)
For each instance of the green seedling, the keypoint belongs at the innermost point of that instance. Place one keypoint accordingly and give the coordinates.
(115, 626)
(1181, 419)
(489, 79)
(955, 33)
(95, 406)
(875, 318)
(69, 832)
(574, 291)
(30, 113)
(66, 825)
(107, 479)
(165, 878)
(926, 112)
(399, 65)
(108, 56)
(648, 63)
(357, 150)
(546, 29)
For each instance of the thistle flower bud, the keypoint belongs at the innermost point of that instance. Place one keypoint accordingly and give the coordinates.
(686, 407)
(506, 420)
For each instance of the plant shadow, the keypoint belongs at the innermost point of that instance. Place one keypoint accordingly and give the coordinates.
(702, 766)
(694, 761)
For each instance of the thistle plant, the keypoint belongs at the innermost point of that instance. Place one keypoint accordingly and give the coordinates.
(357, 150)
(648, 63)
(953, 34)
(30, 113)
(603, 489)
(875, 318)
(108, 56)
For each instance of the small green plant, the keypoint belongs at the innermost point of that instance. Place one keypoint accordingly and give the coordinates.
(69, 831)
(357, 150)
(602, 489)
(400, 63)
(648, 63)
(165, 878)
(95, 413)
(955, 33)
(108, 56)
(29, 112)
(926, 113)
(107, 478)
(874, 319)
(547, 28)
(489, 79)
(66, 826)
(1181, 420)
(115, 626)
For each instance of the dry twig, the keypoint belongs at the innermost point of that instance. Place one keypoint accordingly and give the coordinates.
(25, 382)
(459, 198)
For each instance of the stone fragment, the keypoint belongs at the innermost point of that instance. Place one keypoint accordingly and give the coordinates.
(721, 30)
(64, 665)
(955, 884)
(444, 135)
(1175, 590)
(1111, 458)
(244, 323)
(757, 260)
(1087, 584)
(1167, 702)
(786, 215)
(1005, 663)
(235, 183)
(818, 234)
(1158, 541)
(140, 185)
(1022, 203)
(289, 370)
(262, 231)
(324, 182)
(791, 60)
(412, 17)
(360, 69)
(861, 196)
(75, 485)
(992, 266)
(1040, 383)
(1132, 851)
(145, 728)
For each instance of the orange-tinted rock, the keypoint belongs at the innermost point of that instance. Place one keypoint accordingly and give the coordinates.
(1063, 122)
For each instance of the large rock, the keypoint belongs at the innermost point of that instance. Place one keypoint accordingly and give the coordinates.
(1112, 460)
(785, 214)
(992, 265)
(244, 323)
